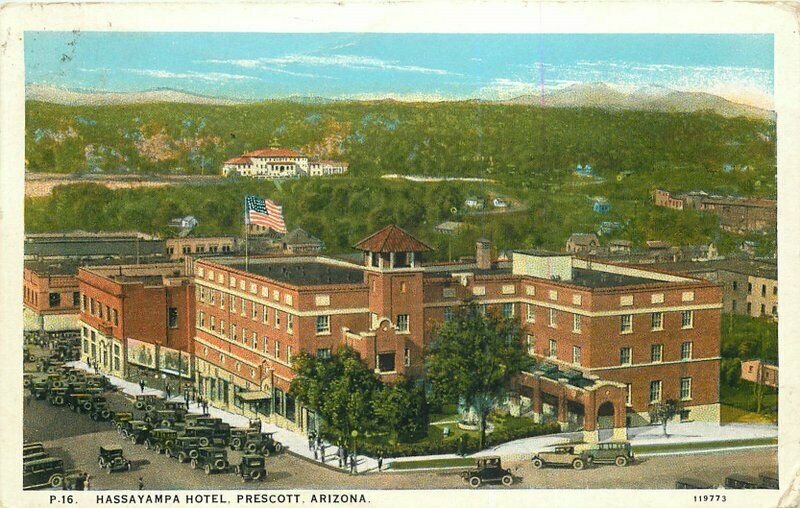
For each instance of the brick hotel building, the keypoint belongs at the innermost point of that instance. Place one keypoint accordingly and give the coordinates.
(608, 339)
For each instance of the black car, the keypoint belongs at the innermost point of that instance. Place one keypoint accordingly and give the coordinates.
(111, 458)
(488, 470)
(138, 431)
(692, 483)
(160, 439)
(769, 480)
(252, 467)
(740, 481)
(183, 448)
(211, 460)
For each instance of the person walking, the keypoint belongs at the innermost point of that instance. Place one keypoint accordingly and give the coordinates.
(168, 389)
(86, 478)
(141, 385)
(380, 461)
(205, 407)
(322, 452)
(311, 440)
(141, 483)
(316, 453)
(353, 464)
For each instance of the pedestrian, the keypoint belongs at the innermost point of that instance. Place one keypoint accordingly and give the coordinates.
(380, 461)
(141, 384)
(339, 456)
(322, 452)
(353, 464)
(310, 441)
(80, 481)
(86, 478)
(28, 397)
(141, 483)
(205, 407)
(168, 389)
(316, 453)
(186, 398)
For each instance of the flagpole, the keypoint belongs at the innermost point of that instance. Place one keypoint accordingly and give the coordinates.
(246, 237)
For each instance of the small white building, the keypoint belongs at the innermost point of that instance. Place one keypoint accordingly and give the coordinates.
(499, 203)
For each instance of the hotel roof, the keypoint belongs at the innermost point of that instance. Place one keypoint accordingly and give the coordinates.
(305, 273)
(392, 238)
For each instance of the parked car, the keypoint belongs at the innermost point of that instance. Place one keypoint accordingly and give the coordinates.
(740, 481)
(210, 459)
(144, 401)
(57, 396)
(488, 470)
(692, 483)
(111, 459)
(563, 455)
(138, 431)
(164, 417)
(31, 448)
(120, 418)
(252, 467)
(769, 480)
(160, 439)
(47, 472)
(184, 448)
(619, 453)
(35, 456)
(207, 435)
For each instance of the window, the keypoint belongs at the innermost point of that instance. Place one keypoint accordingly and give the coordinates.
(686, 351)
(108, 312)
(657, 321)
(576, 323)
(91, 306)
(264, 314)
(656, 352)
(222, 330)
(323, 325)
(530, 313)
(187, 249)
(763, 309)
(277, 319)
(407, 357)
(232, 282)
(626, 323)
(233, 303)
(172, 319)
(76, 298)
(551, 316)
(686, 388)
(233, 331)
(289, 323)
(448, 313)
(733, 305)
(385, 362)
(735, 285)
(774, 310)
(775, 290)
(402, 322)
(243, 306)
(530, 341)
(763, 290)
(100, 309)
(289, 354)
(508, 310)
(202, 318)
(244, 336)
(627, 394)
(253, 310)
(116, 318)
(553, 351)
(576, 355)
(687, 318)
(625, 356)
(212, 296)
(749, 308)
(212, 323)
(749, 288)
(55, 299)
(655, 391)
(324, 353)
(83, 302)
(402, 287)
(277, 349)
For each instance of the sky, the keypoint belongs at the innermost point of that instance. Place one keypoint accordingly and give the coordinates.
(257, 66)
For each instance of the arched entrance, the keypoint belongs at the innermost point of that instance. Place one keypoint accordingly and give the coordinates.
(605, 420)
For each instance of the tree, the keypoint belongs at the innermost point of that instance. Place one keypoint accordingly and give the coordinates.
(402, 409)
(662, 412)
(474, 357)
(340, 389)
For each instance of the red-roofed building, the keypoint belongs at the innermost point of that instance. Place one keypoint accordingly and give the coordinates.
(275, 163)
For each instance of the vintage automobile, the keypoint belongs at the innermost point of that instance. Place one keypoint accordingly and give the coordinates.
(256, 442)
(31, 448)
(210, 459)
(202, 420)
(487, 470)
(111, 458)
(252, 467)
(160, 439)
(619, 453)
(40, 473)
(164, 417)
(692, 483)
(146, 402)
(769, 480)
(175, 405)
(57, 396)
(39, 389)
(184, 448)
(138, 431)
(100, 413)
(562, 455)
(120, 418)
(35, 456)
(740, 481)
(206, 435)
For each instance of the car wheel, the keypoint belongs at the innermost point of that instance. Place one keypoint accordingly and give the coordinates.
(157, 448)
(149, 407)
(133, 439)
(181, 457)
(108, 469)
(146, 444)
(537, 463)
(621, 461)
(168, 452)
(578, 464)
(251, 448)
(278, 447)
(139, 405)
(193, 454)
(193, 464)
(237, 469)
(129, 465)
(507, 480)
(236, 443)
(56, 480)
(207, 469)
(220, 464)
(475, 482)
(124, 433)
(203, 441)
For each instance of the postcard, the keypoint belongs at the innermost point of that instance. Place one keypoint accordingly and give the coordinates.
(352, 254)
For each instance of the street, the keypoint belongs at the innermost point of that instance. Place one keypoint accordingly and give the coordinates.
(76, 439)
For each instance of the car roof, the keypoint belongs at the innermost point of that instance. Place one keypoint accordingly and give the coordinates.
(44, 461)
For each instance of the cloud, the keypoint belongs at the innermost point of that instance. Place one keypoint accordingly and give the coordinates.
(249, 63)
(344, 61)
(506, 88)
(203, 76)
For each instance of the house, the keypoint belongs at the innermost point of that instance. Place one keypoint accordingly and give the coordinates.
(188, 223)
(499, 203)
(179, 248)
(665, 199)
(759, 372)
(607, 227)
(276, 163)
(474, 202)
(298, 241)
(699, 252)
(582, 243)
(620, 246)
(601, 206)
(448, 227)
(583, 170)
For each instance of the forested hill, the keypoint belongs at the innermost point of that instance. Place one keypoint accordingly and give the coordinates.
(511, 143)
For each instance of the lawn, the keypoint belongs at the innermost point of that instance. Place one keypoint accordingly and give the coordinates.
(706, 445)
(741, 397)
(730, 414)
(431, 463)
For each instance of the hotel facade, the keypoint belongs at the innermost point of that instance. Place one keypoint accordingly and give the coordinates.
(607, 340)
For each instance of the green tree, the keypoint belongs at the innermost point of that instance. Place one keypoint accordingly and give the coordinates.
(402, 409)
(473, 357)
(662, 412)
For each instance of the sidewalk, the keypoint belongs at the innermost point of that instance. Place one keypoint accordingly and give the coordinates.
(294, 442)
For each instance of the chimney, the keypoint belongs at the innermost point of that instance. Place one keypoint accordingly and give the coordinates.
(483, 254)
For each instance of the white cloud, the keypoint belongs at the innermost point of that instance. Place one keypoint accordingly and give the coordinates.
(203, 76)
(345, 61)
(250, 63)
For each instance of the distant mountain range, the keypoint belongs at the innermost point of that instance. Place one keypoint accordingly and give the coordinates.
(649, 98)
(600, 95)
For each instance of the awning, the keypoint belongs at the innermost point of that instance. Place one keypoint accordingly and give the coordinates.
(254, 395)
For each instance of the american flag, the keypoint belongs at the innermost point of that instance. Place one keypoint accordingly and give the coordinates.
(264, 212)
